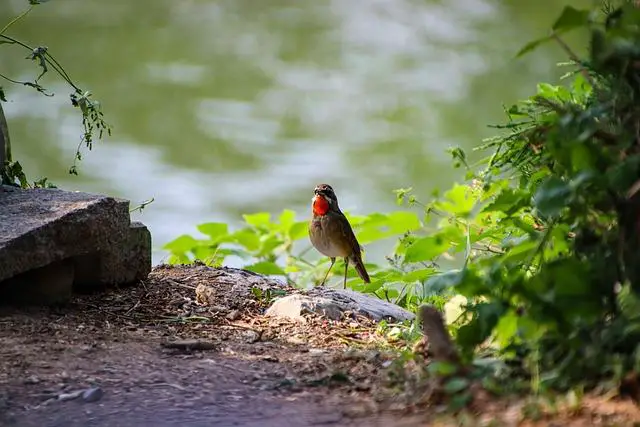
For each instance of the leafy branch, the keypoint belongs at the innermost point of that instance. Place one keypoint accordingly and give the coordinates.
(92, 117)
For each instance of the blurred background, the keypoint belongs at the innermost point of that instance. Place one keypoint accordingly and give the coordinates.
(224, 107)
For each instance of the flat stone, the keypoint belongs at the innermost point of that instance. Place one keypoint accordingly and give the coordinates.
(297, 305)
(126, 262)
(53, 242)
(333, 303)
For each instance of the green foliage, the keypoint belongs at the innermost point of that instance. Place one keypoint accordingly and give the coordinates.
(562, 185)
(92, 117)
(544, 235)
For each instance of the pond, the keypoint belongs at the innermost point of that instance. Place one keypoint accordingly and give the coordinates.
(224, 107)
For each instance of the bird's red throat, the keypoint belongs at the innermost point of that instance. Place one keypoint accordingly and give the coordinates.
(320, 205)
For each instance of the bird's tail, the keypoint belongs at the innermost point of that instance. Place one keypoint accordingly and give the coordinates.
(356, 259)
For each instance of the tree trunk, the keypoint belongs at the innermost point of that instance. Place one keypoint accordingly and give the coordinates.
(5, 145)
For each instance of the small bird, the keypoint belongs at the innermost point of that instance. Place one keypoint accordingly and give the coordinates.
(331, 233)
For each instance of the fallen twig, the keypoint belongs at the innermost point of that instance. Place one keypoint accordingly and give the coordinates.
(189, 345)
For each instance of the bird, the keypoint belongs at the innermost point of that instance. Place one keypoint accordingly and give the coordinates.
(331, 234)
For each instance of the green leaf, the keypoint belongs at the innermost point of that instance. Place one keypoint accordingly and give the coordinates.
(379, 226)
(486, 317)
(298, 230)
(443, 281)
(507, 328)
(442, 368)
(426, 248)
(459, 200)
(267, 268)
(571, 18)
(532, 45)
(262, 219)
(268, 244)
(247, 238)
(182, 244)
(508, 201)
(548, 91)
(372, 287)
(286, 219)
(213, 229)
(552, 196)
(418, 275)
(518, 248)
(455, 385)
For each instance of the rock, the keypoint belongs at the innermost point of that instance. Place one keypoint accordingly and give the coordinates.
(233, 315)
(251, 336)
(333, 303)
(296, 305)
(92, 394)
(126, 262)
(33, 379)
(53, 242)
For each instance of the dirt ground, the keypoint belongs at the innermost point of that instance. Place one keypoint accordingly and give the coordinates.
(248, 371)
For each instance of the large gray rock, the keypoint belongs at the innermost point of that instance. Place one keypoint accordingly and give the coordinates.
(70, 239)
(332, 303)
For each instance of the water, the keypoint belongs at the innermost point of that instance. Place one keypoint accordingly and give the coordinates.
(228, 107)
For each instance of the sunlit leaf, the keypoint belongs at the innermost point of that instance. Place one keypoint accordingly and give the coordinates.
(268, 244)
(298, 230)
(261, 219)
(286, 219)
(418, 275)
(379, 226)
(508, 201)
(426, 248)
(507, 328)
(182, 244)
(247, 238)
(213, 229)
(459, 200)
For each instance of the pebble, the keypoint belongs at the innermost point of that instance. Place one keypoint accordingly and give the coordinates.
(251, 337)
(92, 394)
(32, 380)
(70, 396)
(233, 315)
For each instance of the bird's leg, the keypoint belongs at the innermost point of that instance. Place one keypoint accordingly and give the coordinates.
(333, 260)
(346, 267)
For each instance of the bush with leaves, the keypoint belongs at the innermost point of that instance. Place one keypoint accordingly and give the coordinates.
(546, 229)
(562, 294)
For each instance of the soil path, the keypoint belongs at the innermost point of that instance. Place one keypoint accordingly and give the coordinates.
(258, 373)
(255, 371)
